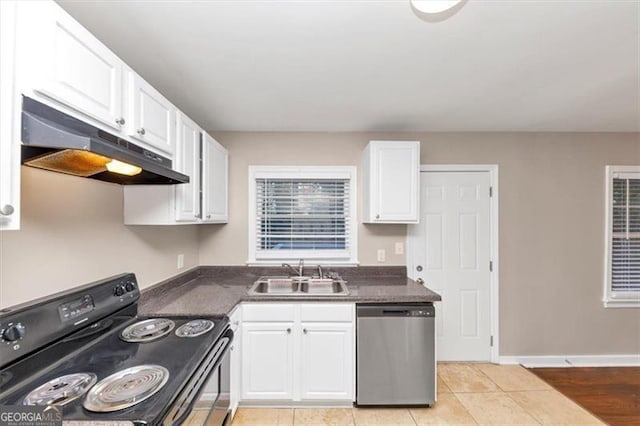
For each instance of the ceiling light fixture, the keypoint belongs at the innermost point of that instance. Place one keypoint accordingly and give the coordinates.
(433, 6)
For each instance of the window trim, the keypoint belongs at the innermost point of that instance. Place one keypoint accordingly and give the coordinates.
(610, 299)
(304, 172)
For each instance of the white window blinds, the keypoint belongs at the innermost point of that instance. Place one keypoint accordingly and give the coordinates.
(303, 217)
(625, 244)
(624, 239)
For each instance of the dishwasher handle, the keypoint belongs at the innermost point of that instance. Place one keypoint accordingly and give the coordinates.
(422, 310)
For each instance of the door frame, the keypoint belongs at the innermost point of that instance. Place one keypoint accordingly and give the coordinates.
(494, 234)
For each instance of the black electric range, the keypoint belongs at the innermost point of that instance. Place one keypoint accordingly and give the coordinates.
(87, 352)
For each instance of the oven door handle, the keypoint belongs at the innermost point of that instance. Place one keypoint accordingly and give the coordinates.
(195, 386)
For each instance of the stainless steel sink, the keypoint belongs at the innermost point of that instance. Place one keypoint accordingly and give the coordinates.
(298, 286)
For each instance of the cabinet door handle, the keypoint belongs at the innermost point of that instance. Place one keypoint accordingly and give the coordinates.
(304, 330)
(141, 131)
(120, 120)
(208, 216)
(288, 330)
(7, 210)
(236, 322)
(377, 216)
(420, 281)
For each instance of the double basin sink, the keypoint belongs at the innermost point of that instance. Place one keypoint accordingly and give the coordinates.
(298, 286)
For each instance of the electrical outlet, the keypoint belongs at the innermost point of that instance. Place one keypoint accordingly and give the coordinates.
(399, 248)
(382, 254)
(180, 261)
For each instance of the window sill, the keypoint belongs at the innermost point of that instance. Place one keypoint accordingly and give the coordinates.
(621, 303)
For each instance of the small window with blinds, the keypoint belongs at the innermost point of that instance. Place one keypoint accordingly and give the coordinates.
(302, 213)
(622, 287)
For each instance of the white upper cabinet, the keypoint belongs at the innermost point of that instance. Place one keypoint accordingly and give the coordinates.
(202, 200)
(151, 115)
(215, 181)
(9, 131)
(391, 172)
(71, 66)
(187, 161)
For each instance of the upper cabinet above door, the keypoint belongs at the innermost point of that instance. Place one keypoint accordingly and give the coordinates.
(391, 180)
(71, 66)
(152, 116)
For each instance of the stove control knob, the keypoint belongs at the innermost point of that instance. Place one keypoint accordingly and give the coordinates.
(14, 332)
(130, 286)
(119, 290)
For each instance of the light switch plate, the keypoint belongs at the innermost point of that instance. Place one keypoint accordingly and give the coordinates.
(399, 248)
(180, 261)
(382, 255)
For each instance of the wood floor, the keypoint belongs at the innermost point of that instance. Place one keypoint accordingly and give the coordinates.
(611, 393)
(468, 394)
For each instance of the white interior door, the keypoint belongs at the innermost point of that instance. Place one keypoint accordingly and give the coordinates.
(450, 250)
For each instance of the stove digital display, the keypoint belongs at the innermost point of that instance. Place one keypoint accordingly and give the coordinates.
(72, 310)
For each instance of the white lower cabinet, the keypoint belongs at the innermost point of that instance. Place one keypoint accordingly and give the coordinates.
(326, 361)
(267, 360)
(298, 352)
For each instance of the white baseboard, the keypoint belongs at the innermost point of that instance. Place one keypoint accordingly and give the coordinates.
(573, 360)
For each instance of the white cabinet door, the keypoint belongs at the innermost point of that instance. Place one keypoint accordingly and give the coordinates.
(187, 161)
(392, 182)
(151, 117)
(9, 145)
(73, 67)
(267, 361)
(215, 180)
(327, 361)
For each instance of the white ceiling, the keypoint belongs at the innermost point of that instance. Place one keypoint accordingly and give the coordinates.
(376, 66)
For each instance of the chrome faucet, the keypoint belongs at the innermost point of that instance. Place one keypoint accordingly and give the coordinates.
(320, 273)
(299, 272)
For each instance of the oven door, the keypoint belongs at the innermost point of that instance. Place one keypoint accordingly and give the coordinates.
(205, 399)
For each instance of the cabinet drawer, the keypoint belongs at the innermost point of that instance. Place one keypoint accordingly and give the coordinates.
(327, 312)
(268, 312)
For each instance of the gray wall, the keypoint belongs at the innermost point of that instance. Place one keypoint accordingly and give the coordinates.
(551, 231)
(551, 225)
(73, 233)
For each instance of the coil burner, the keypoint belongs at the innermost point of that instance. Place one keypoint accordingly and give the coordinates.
(61, 390)
(147, 330)
(194, 328)
(126, 388)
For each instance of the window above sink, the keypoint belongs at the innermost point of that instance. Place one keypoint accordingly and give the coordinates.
(298, 212)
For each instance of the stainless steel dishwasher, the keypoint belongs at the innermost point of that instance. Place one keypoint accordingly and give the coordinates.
(395, 354)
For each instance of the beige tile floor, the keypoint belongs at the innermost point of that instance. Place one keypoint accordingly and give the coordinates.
(468, 394)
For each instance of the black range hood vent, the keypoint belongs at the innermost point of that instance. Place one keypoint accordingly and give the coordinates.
(53, 140)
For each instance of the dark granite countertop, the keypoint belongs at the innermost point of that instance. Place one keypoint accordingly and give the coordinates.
(214, 290)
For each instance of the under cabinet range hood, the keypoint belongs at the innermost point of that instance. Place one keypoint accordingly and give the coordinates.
(53, 140)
